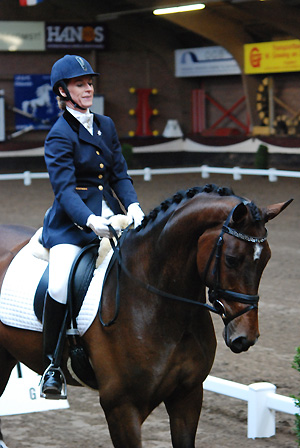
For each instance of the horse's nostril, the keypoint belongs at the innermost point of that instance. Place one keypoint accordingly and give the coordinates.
(241, 344)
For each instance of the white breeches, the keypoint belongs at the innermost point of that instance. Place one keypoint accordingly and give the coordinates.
(61, 258)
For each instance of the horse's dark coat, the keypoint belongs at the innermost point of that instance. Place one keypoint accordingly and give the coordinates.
(160, 351)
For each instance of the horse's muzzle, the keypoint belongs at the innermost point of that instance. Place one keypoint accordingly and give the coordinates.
(239, 344)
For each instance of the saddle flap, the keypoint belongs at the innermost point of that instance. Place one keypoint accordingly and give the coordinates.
(80, 278)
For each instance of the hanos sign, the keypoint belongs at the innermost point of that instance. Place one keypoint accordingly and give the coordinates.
(82, 36)
(272, 57)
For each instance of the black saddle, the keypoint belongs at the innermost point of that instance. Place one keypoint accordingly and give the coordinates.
(80, 277)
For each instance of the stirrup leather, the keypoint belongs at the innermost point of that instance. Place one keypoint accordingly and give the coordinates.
(63, 393)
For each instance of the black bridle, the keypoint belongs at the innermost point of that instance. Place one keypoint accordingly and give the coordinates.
(215, 292)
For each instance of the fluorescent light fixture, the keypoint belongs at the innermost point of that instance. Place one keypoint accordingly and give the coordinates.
(175, 9)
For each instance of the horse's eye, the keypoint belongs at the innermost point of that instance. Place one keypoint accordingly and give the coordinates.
(231, 262)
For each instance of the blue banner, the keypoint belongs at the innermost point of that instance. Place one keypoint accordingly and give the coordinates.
(35, 102)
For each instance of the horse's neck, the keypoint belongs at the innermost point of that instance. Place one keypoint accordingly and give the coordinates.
(166, 252)
(167, 247)
(186, 224)
(177, 245)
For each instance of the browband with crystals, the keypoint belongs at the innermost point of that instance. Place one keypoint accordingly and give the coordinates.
(243, 236)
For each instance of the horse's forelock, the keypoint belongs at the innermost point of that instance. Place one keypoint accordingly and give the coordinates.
(255, 212)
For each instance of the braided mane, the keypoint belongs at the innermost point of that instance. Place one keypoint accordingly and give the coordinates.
(180, 196)
(190, 193)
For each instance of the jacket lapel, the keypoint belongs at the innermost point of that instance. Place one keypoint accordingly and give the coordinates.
(83, 133)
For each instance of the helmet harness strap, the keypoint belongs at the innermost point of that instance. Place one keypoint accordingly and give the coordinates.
(68, 95)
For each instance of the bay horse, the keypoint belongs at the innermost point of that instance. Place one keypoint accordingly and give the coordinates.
(161, 346)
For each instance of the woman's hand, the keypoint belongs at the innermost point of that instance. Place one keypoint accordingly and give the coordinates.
(135, 213)
(99, 225)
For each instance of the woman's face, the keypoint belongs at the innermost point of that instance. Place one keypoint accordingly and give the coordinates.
(82, 92)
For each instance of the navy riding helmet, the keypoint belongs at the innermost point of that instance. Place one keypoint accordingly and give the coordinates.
(70, 66)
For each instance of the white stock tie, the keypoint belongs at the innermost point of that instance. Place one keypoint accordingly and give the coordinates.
(87, 121)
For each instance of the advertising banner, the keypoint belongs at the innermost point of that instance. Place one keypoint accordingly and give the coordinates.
(272, 57)
(22, 36)
(82, 36)
(205, 61)
(35, 101)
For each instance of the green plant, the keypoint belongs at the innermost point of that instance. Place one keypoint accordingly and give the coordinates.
(262, 157)
(296, 365)
(127, 152)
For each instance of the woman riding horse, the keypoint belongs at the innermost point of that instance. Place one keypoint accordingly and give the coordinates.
(85, 163)
(153, 339)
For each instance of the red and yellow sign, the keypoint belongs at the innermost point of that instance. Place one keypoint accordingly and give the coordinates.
(272, 57)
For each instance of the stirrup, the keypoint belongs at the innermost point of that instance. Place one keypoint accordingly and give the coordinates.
(63, 393)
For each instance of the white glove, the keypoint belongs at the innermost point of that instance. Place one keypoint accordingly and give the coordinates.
(99, 225)
(135, 214)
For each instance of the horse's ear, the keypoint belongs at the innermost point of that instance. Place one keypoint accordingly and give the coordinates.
(272, 211)
(239, 213)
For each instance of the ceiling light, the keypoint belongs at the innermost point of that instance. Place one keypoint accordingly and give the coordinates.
(175, 9)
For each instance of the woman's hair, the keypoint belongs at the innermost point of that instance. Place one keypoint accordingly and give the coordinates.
(62, 104)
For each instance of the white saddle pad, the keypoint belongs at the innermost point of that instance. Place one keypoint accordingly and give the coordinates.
(19, 287)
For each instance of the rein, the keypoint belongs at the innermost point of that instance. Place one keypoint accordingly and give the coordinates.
(117, 256)
(214, 294)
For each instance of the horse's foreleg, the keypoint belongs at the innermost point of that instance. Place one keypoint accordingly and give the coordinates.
(124, 423)
(7, 363)
(184, 409)
(2, 444)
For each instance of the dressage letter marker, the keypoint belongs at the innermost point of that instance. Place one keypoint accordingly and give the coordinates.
(22, 395)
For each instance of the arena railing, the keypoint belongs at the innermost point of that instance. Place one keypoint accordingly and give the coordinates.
(262, 403)
(22, 396)
(147, 173)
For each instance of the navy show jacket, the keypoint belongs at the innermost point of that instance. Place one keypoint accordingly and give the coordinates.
(83, 169)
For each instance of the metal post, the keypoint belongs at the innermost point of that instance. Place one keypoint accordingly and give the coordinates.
(271, 104)
(2, 116)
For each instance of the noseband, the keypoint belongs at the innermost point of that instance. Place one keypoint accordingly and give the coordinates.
(215, 293)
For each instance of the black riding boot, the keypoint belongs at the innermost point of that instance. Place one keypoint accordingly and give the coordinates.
(52, 380)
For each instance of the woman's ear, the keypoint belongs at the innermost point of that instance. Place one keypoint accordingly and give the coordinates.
(62, 92)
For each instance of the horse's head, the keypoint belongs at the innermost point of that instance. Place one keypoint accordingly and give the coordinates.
(231, 258)
(231, 255)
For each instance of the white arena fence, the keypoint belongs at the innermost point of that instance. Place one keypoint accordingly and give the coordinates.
(22, 396)
(263, 402)
(147, 173)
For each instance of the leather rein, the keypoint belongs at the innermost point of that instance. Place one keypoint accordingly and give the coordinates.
(215, 293)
